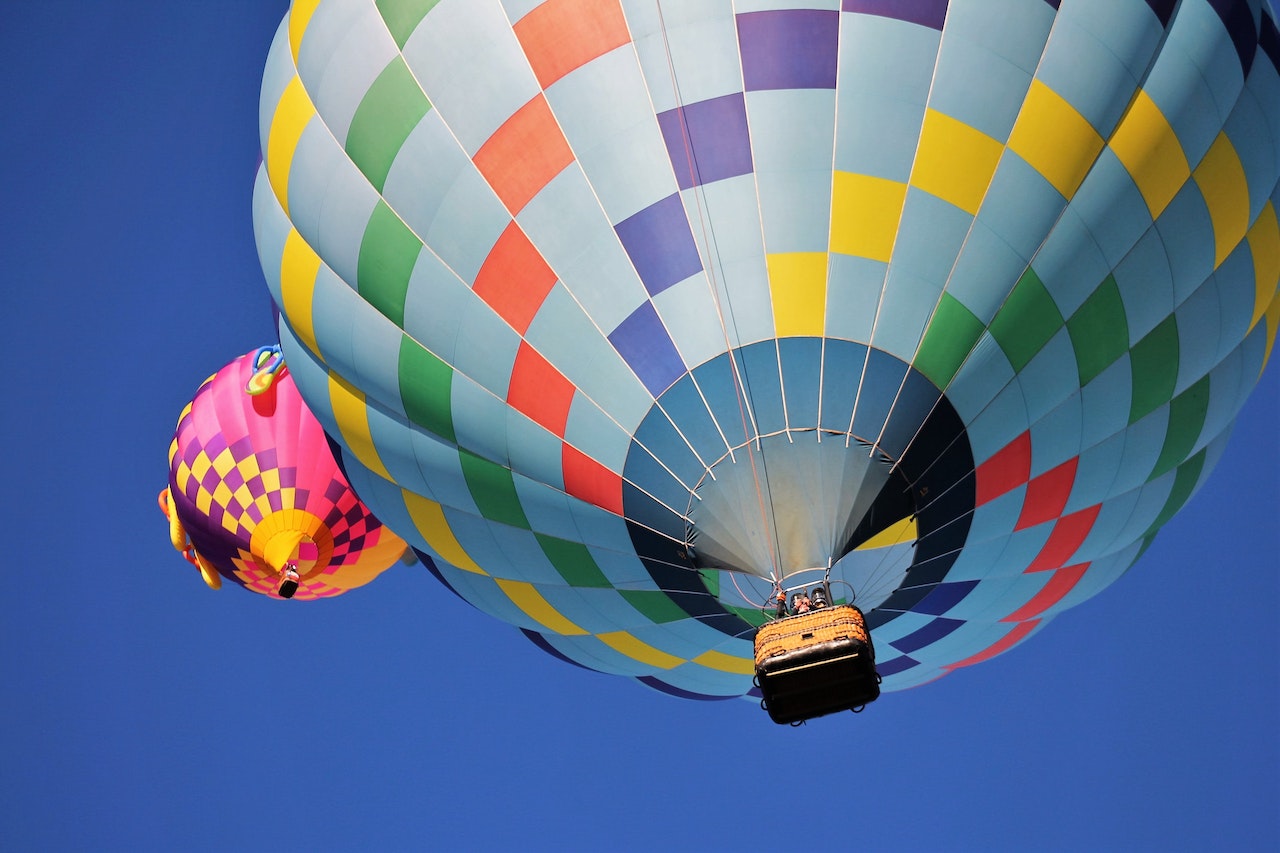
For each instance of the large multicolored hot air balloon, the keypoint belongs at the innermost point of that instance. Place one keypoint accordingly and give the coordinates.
(629, 312)
(254, 490)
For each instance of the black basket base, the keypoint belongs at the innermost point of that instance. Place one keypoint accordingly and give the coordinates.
(817, 680)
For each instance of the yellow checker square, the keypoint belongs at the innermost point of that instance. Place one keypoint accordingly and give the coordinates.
(1264, 245)
(231, 523)
(263, 504)
(895, 534)
(1055, 139)
(798, 286)
(299, 17)
(525, 596)
(293, 112)
(299, 266)
(1221, 179)
(248, 467)
(200, 466)
(1150, 151)
(352, 415)
(244, 497)
(1273, 321)
(224, 462)
(428, 517)
(865, 212)
(271, 480)
(222, 493)
(204, 501)
(637, 649)
(954, 161)
(182, 476)
(726, 663)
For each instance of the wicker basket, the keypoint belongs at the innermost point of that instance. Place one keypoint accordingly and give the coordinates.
(816, 663)
(827, 624)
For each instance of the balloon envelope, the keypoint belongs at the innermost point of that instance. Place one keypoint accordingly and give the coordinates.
(625, 311)
(255, 486)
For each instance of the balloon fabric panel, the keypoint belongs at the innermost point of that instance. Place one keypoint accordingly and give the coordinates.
(623, 313)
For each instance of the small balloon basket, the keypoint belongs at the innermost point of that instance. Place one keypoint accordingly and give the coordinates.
(816, 663)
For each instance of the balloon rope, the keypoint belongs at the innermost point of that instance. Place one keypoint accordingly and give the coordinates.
(739, 384)
(733, 576)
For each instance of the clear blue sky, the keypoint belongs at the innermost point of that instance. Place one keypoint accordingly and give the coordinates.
(142, 711)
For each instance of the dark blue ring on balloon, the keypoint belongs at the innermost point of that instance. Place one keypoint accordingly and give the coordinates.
(922, 432)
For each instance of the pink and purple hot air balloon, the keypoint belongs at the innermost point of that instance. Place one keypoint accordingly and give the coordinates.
(255, 495)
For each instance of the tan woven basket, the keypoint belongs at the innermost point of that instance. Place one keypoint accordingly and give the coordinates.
(843, 621)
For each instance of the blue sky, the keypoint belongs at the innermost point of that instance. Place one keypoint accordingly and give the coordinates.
(144, 712)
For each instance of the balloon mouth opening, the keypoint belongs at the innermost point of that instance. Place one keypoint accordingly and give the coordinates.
(803, 508)
(795, 502)
(291, 536)
(291, 548)
(880, 495)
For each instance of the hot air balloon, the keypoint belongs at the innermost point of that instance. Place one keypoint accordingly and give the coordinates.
(255, 494)
(635, 314)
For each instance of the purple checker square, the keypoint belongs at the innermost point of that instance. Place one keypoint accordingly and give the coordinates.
(935, 630)
(234, 479)
(679, 692)
(895, 666)
(713, 135)
(242, 448)
(789, 48)
(274, 500)
(943, 597)
(1269, 40)
(210, 480)
(660, 244)
(253, 511)
(334, 491)
(288, 477)
(926, 13)
(192, 452)
(337, 517)
(215, 445)
(1238, 19)
(644, 344)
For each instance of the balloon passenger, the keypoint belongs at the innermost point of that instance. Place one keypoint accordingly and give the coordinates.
(288, 580)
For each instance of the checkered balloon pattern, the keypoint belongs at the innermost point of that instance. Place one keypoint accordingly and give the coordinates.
(626, 312)
(254, 484)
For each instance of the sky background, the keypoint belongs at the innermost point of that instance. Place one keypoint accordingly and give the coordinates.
(142, 711)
